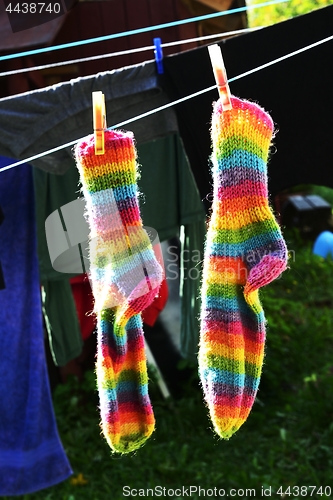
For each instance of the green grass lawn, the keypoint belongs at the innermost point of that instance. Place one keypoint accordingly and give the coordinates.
(286, 441)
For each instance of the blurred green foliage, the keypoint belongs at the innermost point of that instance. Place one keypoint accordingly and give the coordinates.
(272, 14)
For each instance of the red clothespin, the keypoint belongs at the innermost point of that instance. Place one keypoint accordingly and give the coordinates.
(220, 76)
(99, 121)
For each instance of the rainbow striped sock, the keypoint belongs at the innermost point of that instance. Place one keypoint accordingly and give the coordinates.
(125, 279)
(244, 251)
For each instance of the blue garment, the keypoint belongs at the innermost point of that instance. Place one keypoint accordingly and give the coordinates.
(323, 245)
(31, 453)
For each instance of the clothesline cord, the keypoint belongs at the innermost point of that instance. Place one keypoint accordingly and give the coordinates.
(140, 30)
(174, 103)
(127, 52)
(211, 37)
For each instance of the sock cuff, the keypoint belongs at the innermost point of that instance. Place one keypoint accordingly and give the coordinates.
(115, 169)
(241, 135)
(109, 181)
(254, 114)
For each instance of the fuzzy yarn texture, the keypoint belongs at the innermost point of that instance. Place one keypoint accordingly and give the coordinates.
(244, 251)
(125, 277)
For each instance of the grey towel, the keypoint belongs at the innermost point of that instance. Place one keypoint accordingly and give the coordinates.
(36, 121)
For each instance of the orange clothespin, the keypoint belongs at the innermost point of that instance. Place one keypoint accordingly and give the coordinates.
(99, 121)
(220, 76)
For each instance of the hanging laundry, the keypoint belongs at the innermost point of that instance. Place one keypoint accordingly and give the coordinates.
(171, 198)
(42, 119)
(284, 89)
(244, 251)
(62, 324)
(65, 340)
(31, 454)
(126, 277)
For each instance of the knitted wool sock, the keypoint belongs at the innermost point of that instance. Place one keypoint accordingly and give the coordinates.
(244, 251)
(125, 279)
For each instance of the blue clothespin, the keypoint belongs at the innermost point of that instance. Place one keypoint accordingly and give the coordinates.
(158, 55)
